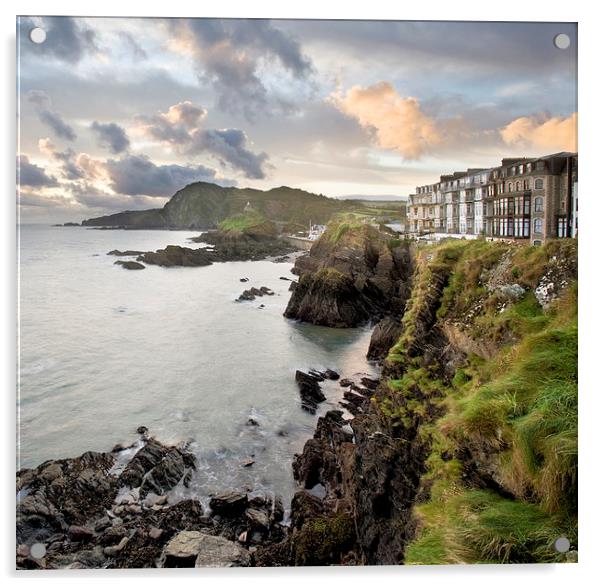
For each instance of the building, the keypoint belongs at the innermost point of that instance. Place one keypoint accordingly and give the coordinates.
(533, 199)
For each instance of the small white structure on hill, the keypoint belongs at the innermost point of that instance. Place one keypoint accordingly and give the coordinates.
(315, 231)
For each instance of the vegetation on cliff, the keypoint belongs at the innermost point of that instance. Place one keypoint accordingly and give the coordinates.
(485, 377)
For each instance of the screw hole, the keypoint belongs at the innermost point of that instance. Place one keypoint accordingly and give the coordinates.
(37, 35)
(562, 41)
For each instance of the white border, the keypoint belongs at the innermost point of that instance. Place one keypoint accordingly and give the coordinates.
(590, 216)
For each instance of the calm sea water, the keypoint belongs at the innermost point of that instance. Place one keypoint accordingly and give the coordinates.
(104, 350)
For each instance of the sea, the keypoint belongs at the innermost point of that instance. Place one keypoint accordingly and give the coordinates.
(103, 350)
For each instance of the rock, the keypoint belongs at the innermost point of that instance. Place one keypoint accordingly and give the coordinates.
(331, 374)
(195, 549)
(318, 463)
(142, 430)
(311, 393)
(61, 493)
(102, 524)
(155, 532)
(384, 336)
(112, 535)
(173, 256)
(217, 552)
(253, 292)
(248, 462)
(351, 276)
(277, 513)
(258, 519)
(252, 422)
(244, 280)
(80, 533)
(131, 265)
(111, 550)
(243, 537)
(345, 382)
(229, 504)
(125, 252)
(156, 468)
(513, 292)
(371, 383)
(23, 550)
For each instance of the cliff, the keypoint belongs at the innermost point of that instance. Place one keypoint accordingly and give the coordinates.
(466, 452)
(353, 274)
(205, 205)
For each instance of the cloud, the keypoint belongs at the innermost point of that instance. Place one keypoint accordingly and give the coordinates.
(230, 146)
(32, 175)
(542, 132)
(180, 128)
(175, 125)
(111, 136)
(67, 159)
(49, 117)
(136, 50)
(138, 175)
(32, 199)
(230, 53)
(397, 123)
(67, 38)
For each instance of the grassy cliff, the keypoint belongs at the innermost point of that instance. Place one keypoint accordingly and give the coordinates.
(485, 374)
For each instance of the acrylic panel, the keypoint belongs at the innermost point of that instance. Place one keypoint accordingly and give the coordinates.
(296, 292)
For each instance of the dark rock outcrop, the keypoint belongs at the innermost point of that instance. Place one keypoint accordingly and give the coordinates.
(352, 275)
(125, 252)
(253, 292)
(131, 265)
(309, 388)
(385, 334)
(178, 256)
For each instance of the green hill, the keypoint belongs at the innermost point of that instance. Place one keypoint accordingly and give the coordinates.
(205, 205)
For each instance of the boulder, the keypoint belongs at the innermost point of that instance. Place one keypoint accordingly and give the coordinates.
(195, 549)
(156, 468)
(258, 519)
(130, 265)
(229, 504)
(309, 388)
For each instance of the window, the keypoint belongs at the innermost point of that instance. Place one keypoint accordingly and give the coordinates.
(539, 204)
(562, 233)
(510, 186)
(538, 225)
(540, 166)
(539, 184)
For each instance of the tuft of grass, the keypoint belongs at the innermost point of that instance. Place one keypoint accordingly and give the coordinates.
(463, 525)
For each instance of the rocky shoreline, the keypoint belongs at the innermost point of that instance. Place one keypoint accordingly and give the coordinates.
(117, 510)
(222, 248)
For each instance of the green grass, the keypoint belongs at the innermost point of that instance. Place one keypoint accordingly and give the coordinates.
(241, 222)
(479, 526)
(511, 410)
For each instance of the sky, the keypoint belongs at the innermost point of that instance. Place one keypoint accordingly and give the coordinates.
(120, 113)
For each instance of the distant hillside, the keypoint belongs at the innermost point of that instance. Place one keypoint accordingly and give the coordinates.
(206, 205)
